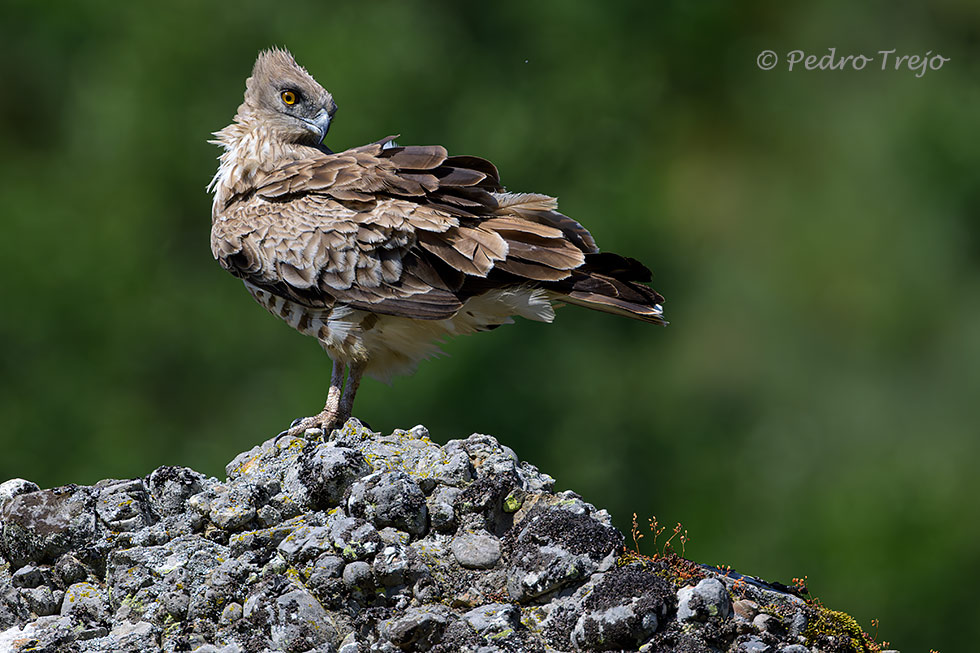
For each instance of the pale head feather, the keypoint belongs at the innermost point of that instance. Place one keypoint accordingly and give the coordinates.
(275, 72)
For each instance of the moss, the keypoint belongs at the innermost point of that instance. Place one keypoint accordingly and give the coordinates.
(513, 501)
(832, 630)
(671, 567)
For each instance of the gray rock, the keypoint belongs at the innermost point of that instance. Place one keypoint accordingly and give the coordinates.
(620, 609)
(46, 633)
(476, 550)
(330, 566)
(231, 507)
(413, 453)
(139, 636)
(419, 629)
(171, 487)
(350, 644)
(442, 513)
(28, 576)
(231, 613)
(797, 648)
(353, 538)
(306, 543)
(556, 548)
(390, 499)
(211, 648)
(301, 623)
(324, 475)
(754, 645)
(707, 599)
(490, 458)
(398, 565)
(494, 620)
(258, 545)
(42, 600)
(41, 526)
(15, 487)
(358, 575)
(797, 625)
(766, 622)
(221, 584)
(85, 602)
(482, 503)
(70, 570)
(364, 542)
(93, 632)
(124, 505)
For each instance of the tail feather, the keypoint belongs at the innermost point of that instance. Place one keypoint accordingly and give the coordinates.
(652, 313)
(612, 284)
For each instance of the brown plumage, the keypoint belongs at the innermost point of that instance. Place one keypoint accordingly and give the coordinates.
(381, 250)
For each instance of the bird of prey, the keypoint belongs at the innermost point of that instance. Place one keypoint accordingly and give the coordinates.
(380, 251)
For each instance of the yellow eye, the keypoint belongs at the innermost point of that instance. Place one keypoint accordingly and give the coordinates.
(288, 97)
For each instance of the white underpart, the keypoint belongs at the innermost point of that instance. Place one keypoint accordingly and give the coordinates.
(395, 345)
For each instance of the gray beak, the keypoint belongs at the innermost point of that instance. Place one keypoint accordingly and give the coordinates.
(322, 124)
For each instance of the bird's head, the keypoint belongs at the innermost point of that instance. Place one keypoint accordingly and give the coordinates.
(286, 99)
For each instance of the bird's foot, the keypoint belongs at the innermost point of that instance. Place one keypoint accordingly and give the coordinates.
(325, 421)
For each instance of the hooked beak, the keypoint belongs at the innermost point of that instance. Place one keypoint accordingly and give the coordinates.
(320, 125)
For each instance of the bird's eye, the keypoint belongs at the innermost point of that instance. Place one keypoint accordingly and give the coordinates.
(288, 97)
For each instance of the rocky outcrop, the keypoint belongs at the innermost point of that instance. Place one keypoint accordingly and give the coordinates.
(359, 542)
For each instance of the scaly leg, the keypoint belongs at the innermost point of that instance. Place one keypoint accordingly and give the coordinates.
(327, 419)
(347, 401)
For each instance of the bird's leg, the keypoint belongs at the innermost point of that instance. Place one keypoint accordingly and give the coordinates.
(327, 419)
(333, 394)
(347, 401)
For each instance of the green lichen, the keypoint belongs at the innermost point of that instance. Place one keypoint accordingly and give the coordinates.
(839, 627)
(506, 632)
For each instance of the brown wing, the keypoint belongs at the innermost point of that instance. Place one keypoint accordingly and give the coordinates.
(406, 231)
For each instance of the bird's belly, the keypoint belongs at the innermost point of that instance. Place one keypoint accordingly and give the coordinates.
(306, 320)
(391, 345)
(397, 344)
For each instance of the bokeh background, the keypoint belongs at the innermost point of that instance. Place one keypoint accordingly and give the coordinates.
(814, 407)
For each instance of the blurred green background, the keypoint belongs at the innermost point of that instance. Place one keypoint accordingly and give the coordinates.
(813, 407)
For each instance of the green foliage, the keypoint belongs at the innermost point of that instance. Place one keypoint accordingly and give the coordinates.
(813, 403)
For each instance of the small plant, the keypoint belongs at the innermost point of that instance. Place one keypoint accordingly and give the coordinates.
(800, 585)
(739, 586)
(656, 529)
(637, 535)
(679, 532)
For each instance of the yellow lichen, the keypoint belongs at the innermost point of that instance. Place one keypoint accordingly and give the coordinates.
(835, 624)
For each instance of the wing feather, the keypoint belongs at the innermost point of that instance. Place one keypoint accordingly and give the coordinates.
(413, 232)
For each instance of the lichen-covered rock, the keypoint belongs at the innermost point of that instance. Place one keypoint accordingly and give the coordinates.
(390, 499)
(85, 602)
(558, 547)
(476, 550)
(40, 526)
(15, 487)
(359, 542)
(418, 629)
(708, 598)
(623, 610)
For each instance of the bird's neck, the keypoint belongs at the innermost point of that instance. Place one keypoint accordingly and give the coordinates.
(251, 153)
